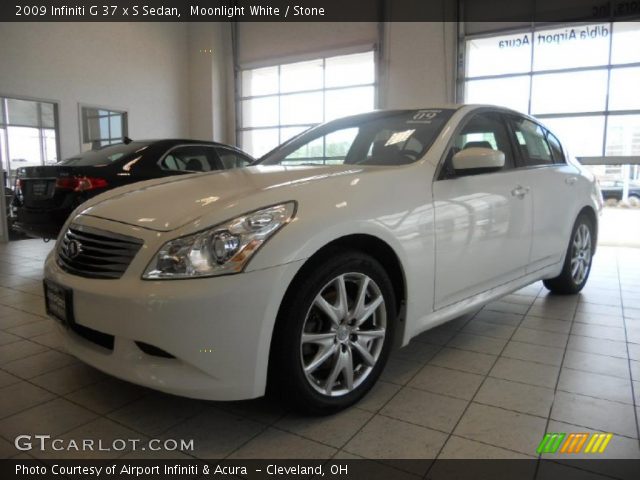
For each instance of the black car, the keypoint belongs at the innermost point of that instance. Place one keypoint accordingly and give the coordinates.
(45, 196)
(614, 190)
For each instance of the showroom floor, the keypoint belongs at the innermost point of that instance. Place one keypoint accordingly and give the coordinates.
(487, 385)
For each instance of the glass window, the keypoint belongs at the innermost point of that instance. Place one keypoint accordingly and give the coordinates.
(232, 159)
(510, 92)
(50, 146)
(24, 147)
(301, 76)
(581, 136)
(301, 108)
(101, 127)
(623, 135)
(290, 132)
(567, 47)
(346, 70)
(569, 92)
(260, 112)
(260, 81)
(47, 112)
(624, 91)
(294, 97)
(499, 55)
(29, 134)
(392, 139)
(190, 158)
(484, 130)
(556, 148)
(22, 112)
(260, 141)
(348, 101)
(625, 41)
(530, 138)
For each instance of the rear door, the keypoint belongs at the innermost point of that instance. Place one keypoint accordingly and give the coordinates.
(483, 220)
(552, 181)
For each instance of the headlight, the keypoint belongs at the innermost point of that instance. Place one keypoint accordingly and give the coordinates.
(222, 249)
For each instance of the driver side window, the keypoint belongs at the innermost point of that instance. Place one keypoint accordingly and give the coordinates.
(484, 130)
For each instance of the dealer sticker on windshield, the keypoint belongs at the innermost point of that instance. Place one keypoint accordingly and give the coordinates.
(424, 116)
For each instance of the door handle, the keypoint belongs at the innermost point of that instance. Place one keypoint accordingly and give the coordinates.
(570, 180)
(520, 191)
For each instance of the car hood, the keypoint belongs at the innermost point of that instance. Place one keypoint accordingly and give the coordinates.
(166, 204)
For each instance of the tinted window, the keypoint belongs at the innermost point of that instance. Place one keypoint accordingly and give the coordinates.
(106, 155)
(190, 158)
(484, 130)
(556, 148)
(232, 159)
(392, 139)
(531, 142)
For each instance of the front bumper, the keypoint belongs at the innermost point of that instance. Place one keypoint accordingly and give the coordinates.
(217, 329)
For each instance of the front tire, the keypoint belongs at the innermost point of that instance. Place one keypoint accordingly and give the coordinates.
(578, 259)
(334, 333)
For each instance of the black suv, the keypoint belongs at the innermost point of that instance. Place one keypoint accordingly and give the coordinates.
(45, 196)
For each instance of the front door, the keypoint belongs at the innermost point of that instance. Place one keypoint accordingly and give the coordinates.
(483, 219)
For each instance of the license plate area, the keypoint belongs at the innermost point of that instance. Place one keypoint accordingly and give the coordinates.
(40, 189)
(59, 302)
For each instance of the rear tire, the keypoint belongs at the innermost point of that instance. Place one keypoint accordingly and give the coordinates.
(333, 334)
(578, 259)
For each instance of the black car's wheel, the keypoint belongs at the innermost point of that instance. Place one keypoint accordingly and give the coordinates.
(577, 263)
(333, 334)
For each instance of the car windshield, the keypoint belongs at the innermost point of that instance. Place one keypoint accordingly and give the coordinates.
(105, 155)
(393, 138)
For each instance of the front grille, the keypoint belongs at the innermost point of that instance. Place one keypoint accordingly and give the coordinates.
(93, 253)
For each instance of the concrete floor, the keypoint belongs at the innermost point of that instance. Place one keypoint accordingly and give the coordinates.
(487, 385)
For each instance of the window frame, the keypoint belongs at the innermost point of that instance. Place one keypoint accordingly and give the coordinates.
(444, 171)
(609, 66)
(233, 151)
(182, 145)
(83, 124)
(5, 124)
(279, 63)
(520, 159)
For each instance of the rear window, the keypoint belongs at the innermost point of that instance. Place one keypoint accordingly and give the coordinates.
(106, 155)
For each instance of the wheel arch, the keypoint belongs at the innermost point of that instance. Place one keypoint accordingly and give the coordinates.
(593, 217)
(365, 243)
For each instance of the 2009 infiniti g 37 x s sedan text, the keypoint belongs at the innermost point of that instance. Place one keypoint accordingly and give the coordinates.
(300, 273)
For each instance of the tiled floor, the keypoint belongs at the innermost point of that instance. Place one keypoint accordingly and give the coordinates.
(483, 386)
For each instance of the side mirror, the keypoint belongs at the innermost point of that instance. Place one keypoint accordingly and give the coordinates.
(475, 159)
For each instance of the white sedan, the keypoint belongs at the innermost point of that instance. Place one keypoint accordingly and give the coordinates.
(300, 273)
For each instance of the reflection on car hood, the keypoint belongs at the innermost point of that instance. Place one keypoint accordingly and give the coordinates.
(167, 204)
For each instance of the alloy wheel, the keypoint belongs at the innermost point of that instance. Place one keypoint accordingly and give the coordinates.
(343, 334)
(581, 254)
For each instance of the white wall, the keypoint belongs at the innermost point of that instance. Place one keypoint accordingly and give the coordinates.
(261, 42)
(211, 82)
(419, 64)
(140, 67)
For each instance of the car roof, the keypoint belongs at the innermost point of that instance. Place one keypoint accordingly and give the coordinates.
(171, 142)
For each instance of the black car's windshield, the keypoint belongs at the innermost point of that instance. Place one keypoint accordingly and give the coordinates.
(393, 138)
(105, 155)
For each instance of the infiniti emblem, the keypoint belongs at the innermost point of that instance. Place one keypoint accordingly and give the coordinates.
(73, 249)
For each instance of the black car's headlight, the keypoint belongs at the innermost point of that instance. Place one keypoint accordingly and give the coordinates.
(219, 250)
